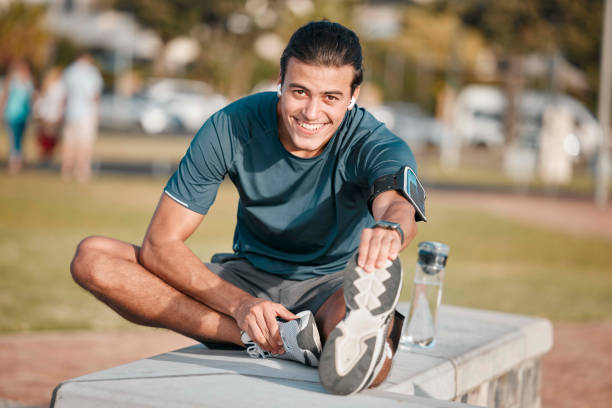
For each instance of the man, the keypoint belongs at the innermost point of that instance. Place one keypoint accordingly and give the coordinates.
(308, 165)
(83, 84)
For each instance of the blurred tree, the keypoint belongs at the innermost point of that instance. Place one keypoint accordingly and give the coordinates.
(22, 34)
(578, 28)
(175, 18)
(438, 44)
(227, 31)
(515, 28)
(172, 18)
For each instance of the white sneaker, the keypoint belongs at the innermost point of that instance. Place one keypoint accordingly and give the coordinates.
(300, 337)
(356, 350)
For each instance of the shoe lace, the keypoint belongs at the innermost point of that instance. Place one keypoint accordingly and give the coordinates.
(255, 351)
(253, 348)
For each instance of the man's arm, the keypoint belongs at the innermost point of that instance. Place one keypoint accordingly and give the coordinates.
(379, 244)
(165, 253)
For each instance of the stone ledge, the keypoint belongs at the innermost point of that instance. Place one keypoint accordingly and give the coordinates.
(473, 347)
(473, 352)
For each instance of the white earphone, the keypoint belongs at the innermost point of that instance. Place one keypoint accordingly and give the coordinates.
(352, 103)
(278, 90)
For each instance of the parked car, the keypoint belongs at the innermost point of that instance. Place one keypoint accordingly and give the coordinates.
(120, 112)
(186, 102)
(408, 121)
(479, 119)
(164, 106)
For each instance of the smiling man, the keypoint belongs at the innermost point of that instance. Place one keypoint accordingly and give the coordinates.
(328, 198)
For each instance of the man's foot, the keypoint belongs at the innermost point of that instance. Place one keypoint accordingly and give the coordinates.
(357, 350)
(300, 337)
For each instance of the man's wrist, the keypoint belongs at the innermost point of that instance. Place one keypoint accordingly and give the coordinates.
(391, 226)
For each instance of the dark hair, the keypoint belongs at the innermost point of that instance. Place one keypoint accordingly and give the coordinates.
(325, 43)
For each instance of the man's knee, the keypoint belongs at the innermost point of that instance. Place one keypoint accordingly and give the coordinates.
(85, 266)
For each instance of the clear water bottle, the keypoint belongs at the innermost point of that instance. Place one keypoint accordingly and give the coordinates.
(420, 327)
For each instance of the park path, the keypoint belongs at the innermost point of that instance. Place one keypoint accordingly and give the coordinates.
(575, 216)
(576, 373)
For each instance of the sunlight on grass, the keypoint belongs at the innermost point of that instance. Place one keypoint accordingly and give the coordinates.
(115, 147)
(494, 263)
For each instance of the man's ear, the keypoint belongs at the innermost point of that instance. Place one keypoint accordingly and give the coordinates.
(279, 84)
(353, 98)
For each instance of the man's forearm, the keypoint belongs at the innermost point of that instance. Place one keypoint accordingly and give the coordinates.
(177, 265)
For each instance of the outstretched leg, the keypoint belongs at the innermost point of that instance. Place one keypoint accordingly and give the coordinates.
(109, 269)
(359, 326)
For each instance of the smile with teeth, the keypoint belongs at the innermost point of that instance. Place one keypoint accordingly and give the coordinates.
(310, 126)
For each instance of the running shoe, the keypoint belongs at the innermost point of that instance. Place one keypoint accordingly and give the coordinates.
(300, 337)
(357, 350)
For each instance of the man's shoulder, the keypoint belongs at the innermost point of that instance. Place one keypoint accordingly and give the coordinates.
(255, 104)
(240, 121)
(248, 116)
(364, 128)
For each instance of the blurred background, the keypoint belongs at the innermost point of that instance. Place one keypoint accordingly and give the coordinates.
(499, 100)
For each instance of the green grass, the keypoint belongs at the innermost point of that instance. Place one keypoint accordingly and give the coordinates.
(43, 219)
(494, 263)
(499, 264)
(484, 167)
(115, 147)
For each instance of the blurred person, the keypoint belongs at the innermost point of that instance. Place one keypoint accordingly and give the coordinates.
(322, 216)
(83, 84)
(49, 112)
(18, 91)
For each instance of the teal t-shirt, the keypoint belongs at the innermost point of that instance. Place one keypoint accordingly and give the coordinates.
(298, 218)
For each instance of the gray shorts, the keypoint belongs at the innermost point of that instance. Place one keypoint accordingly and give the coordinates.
(295, 295)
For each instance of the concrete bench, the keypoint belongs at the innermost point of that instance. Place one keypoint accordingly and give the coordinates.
(480, 357)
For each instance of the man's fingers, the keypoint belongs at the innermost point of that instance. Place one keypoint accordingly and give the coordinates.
(394, 249)
(254, 332)
(383, 253)
(374, 249)
(283, 313)
(274, 339)
(265, 336)
(364, 246)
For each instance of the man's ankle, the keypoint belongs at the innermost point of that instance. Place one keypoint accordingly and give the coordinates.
(392, 344)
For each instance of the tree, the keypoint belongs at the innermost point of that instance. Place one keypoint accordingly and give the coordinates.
(514, 28)
(22, 34)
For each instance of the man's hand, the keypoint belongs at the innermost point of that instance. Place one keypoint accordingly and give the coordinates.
(377, 246)
(257, 317)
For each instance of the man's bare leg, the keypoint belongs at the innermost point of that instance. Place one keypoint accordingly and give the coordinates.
(110, 270)
(330, 314)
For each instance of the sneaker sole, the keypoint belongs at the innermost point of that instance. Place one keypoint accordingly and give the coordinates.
(354, 349)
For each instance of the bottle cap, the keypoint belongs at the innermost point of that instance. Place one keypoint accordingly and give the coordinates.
(432, 256)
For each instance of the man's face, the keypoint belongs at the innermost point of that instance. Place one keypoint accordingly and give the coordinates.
(312, 105)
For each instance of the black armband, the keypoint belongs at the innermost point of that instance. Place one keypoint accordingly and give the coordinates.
(407, 183)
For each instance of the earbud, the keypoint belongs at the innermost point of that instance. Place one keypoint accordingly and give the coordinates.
(352, 103)
(278, 90)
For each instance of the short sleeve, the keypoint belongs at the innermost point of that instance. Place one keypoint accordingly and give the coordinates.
(205, 164)
(382, 154)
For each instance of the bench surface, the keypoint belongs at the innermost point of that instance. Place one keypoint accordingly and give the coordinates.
(472, 347)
